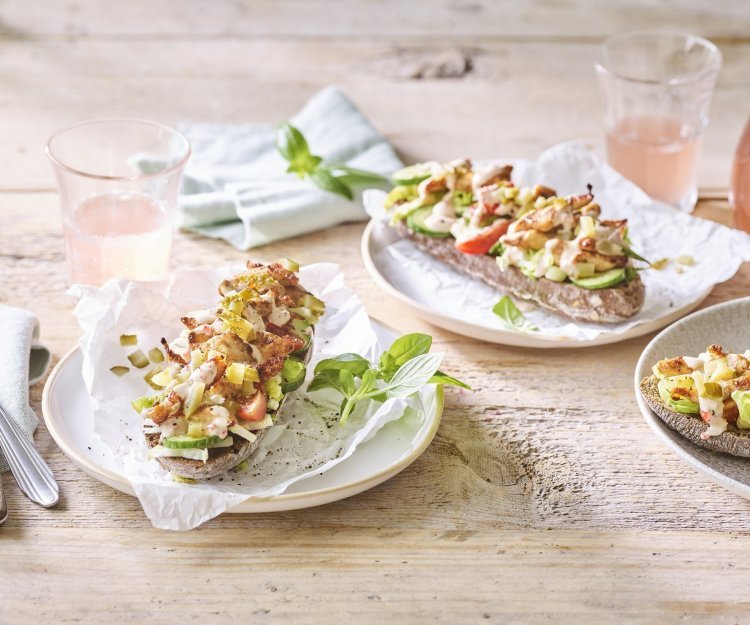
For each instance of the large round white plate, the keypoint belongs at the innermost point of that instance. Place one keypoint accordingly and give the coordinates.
(67, 413)
(378, 236)
(728, 325)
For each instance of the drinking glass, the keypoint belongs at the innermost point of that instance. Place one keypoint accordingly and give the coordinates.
(657, 88)
(118, 181)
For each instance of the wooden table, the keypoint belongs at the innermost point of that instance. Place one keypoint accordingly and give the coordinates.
(544, 497)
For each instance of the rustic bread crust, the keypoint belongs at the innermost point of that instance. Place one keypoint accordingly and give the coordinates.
(600, 305)
(219, 460)
(734, 441)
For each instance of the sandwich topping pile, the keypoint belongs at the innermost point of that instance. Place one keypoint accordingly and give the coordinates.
(527, 241)
(714, 385)
(227, 373)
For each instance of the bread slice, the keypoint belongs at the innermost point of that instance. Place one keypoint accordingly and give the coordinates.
(734, 441)
(219, 460)
(610, 305)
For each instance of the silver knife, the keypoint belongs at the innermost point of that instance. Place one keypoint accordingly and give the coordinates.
(31, 472)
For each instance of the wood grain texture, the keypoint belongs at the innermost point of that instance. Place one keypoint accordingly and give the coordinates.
(424, 19)
(483, 113)
(544, 497)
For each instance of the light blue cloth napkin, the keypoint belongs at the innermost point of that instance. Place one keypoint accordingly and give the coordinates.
(236, 188)
(22, 362)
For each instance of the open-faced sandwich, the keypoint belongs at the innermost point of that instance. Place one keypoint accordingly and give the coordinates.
(704, 398)
(527, 242)
(226, 375)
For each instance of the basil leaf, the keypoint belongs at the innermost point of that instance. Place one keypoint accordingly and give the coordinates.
(346, 381)
(632, 254)
(352, 175)
(447, 380)
(413, 375)
(402, 350)
(351, 362)
(507, 310)
(325, 180)
(292, 145)
(326, 379)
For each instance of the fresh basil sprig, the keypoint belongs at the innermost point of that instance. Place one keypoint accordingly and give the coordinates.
(403, 368)
(334, 178)
(511, 316)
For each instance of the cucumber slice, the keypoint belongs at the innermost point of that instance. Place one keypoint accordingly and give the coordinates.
(416, 223)
(188, 442)
(292, 375)
(306, 336)
(414, 174)
(601, 280)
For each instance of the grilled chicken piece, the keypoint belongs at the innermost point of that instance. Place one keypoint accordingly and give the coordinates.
(526, 239)
(231, 346)
(673, 366)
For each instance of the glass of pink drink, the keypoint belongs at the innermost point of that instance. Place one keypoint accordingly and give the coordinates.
(118, 182)
(657, 88)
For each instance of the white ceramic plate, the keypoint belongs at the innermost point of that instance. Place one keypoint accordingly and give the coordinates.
(67, 413)
(727, 324)
(378, 236)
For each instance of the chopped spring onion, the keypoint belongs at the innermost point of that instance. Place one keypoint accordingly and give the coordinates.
(588, 227)
(273, 387)
(119, 371)
(138, 359)
(267, 422)
(156, 355)
(289, 264)
(191, 454)
(128, 339)
(195, 397)
(196, 359)
(149, 377)
(143, 402)
(196, 430)
(235, 373)
(242, 432)
(161, 378)
(239, 325)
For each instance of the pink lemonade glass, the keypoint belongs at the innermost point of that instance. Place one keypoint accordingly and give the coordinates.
(657, 88)
(118, 181)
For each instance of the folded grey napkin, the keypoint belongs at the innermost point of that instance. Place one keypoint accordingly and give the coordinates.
(22, 362)
(236, 186)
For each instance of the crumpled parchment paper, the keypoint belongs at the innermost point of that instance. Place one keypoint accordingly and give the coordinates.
(657, 231)
(306, 440)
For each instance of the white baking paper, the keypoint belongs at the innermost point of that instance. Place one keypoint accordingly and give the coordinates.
(306, 440)
(656, 230)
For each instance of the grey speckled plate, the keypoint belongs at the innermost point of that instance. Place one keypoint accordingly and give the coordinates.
(727, 324)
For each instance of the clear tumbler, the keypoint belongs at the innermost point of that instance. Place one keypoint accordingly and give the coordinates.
(118, 181)
(657, 88)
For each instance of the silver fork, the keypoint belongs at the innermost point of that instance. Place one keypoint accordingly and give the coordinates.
(3, 505)
(34, 477)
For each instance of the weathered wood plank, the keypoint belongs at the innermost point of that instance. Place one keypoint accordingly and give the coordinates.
(542, 442)
(315, 575)
(515, 101)
(442, 19)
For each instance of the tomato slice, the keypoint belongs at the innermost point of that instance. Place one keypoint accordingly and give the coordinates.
(255, 409)
(487, 237)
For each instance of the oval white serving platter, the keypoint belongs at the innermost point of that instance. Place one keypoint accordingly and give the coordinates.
(378, 236)
(66, 408)
(726, 324)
